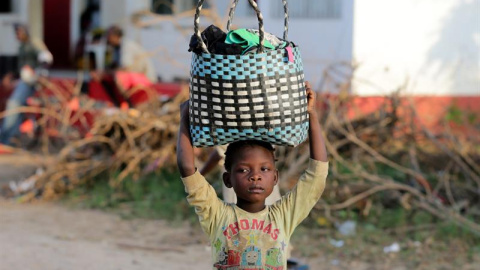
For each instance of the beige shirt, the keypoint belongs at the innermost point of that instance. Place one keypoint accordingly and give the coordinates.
(243, 240)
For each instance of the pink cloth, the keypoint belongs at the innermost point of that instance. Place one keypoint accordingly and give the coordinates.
(128, 80)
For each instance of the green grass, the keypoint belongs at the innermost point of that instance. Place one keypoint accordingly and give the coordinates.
(386, 224)
(159, 195)
(425, 241)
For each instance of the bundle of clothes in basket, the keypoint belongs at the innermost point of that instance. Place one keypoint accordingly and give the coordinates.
(236, 42)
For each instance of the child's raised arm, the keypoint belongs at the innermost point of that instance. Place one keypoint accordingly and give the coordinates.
(185, 156)
(317, 143)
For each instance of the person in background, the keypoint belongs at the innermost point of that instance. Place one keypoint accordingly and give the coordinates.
(127, 64)
(33, 58)
(90, 32)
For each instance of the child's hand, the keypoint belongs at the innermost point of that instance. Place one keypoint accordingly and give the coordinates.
(317, 143)
(185, 112)
(310, 98)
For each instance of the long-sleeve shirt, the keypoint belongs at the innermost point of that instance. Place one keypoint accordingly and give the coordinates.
(243, 240)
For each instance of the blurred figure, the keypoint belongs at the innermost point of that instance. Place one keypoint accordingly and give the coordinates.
(127, 65)
(33, 58)
(128, 55)
(90, 31)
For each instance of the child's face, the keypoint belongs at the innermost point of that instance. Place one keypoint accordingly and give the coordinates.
(252, 174)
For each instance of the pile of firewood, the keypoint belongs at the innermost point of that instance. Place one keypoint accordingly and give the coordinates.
(433, 172)
(437, 173)
(126, 143)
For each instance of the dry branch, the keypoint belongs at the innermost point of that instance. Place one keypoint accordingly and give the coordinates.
(123, 141)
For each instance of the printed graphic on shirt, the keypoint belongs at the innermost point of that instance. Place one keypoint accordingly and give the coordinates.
(218, 245)
(254, 225)
(251, 256)
(274, 259)
(222, 257)
(232, 261)
(250, 245)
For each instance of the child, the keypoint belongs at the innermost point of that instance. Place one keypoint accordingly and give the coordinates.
(249, 234)
(217, 156)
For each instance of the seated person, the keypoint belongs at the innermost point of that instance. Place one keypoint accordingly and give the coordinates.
(126, 65)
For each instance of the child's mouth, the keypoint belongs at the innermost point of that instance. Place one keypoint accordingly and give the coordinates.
(256, 190)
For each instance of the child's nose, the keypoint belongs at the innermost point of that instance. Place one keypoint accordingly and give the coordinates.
(255, 177)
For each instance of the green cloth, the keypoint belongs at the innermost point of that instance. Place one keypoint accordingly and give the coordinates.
(245, 39)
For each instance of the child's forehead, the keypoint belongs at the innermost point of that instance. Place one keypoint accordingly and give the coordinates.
(251, 148)
(252, 151)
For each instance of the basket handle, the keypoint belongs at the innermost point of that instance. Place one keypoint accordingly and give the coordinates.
(285, 8)
(232, 11)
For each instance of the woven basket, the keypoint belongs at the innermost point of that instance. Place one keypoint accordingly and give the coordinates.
(257, 96)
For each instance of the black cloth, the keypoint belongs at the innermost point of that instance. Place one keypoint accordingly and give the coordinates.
(214, 39)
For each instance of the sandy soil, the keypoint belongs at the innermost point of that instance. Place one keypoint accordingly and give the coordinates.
(15, 167)
(49, 236)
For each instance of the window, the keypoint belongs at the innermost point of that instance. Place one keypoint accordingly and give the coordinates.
(162, 6)
(314, 9)
(168, 7)
(6, 6)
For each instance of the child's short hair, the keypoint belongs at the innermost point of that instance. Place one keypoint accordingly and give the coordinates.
(236, 146)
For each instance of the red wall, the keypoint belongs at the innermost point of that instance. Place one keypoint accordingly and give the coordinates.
(461, 113)
(56, 27)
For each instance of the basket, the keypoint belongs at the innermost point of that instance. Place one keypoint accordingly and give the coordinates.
(258, 96)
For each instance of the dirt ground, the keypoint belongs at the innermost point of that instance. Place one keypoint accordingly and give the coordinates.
(15, 167)
(49, 236)
(52, 236)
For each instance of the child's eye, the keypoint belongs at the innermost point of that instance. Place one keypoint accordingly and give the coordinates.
(242, 170)
(265, 169)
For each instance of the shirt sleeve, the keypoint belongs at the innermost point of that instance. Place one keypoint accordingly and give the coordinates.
(202, 196)
(43, 54)
(297, 204)
(39, 45)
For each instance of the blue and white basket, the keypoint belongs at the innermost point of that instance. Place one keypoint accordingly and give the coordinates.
(257, 96)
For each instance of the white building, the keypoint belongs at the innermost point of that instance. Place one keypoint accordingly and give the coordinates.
(427, 47)
(432, 46)
(10, 13)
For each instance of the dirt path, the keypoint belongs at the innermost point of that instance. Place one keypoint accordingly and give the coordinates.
(48, 236)
(15, 167)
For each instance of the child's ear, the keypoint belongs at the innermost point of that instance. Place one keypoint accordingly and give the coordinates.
(226, 179)
(276, 177)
